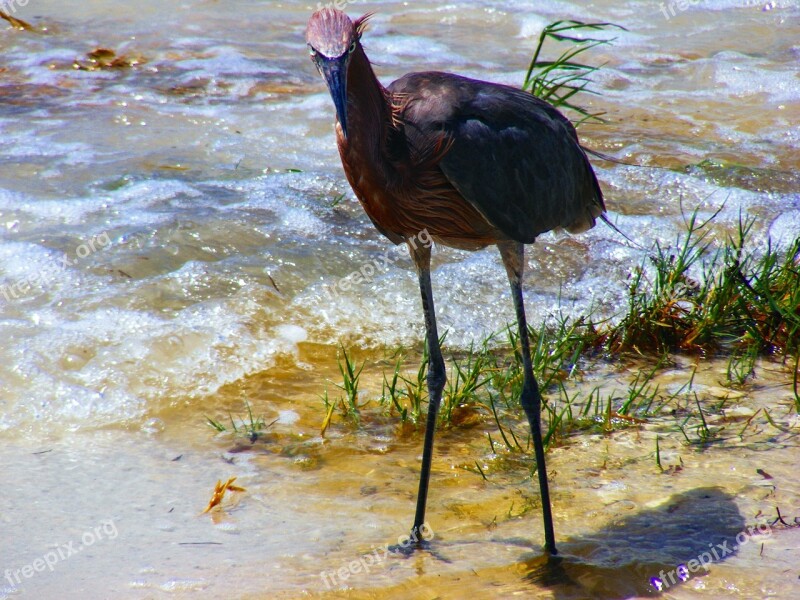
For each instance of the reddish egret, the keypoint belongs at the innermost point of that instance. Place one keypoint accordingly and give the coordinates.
(469, 162)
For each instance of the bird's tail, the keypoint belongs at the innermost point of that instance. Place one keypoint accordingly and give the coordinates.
(606, 157)
(608, 222)
(609, 158)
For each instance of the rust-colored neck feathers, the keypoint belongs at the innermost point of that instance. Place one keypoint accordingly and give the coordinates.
(369, 114)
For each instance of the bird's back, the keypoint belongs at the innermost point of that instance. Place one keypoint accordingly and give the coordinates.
(514, 158)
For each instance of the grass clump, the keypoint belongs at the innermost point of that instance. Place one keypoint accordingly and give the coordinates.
(351, 374)
(744, 304)
(558, 81)
(467, 378)
(406, 395)
(251, 427)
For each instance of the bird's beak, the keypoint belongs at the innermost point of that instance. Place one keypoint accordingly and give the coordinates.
(334, 70)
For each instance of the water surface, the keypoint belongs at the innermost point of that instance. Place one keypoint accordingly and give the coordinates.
(169, 234)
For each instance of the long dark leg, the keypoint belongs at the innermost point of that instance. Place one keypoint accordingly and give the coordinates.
(436, 378)
(513, 258)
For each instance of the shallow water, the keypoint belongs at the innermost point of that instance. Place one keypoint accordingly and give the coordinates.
(170, 236)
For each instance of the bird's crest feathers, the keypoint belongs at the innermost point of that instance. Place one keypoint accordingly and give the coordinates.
(331, 32)
(362, 22)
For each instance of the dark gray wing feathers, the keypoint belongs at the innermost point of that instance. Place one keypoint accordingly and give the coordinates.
(512, 156)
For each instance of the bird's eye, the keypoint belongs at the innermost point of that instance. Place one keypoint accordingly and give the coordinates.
(352, 47)
(312, 52)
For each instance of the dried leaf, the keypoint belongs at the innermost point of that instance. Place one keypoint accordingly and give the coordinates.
(219, 492)
(327, 420)
(15, 22)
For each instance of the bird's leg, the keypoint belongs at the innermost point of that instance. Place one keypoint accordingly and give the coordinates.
(436, 378)
(513, 254)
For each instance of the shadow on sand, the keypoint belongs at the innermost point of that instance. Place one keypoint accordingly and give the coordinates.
(621, 560)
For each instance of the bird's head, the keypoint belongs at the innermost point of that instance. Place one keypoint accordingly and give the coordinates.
(332, 40)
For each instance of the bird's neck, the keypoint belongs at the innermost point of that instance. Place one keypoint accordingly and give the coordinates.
(368, 111)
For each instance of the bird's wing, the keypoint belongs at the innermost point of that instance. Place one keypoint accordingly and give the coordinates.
(515, 158)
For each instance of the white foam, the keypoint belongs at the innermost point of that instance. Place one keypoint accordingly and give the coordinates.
(226, 60)
(784, 230)
(747, 76)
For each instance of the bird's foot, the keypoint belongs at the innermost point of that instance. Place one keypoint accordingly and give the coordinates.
(418, 539)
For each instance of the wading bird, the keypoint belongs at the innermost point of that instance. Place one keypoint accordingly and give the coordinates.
(468, 163)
